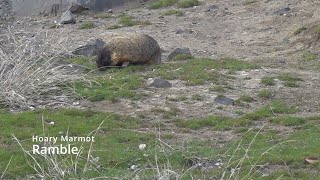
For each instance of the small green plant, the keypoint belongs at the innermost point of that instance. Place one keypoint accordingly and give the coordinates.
(87, 25)
(318, 30)
(173, 112)
(299, 30)
(268, 81)
(173, 12)
(247, 2)
(265, 94)
(162, 3)
(246, 98)
(289, 80)
(309, 56)
(197, 97)
(177, 99)
(187, 3)
(127, 21)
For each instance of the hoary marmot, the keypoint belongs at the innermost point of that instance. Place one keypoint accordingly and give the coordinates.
(129, 49)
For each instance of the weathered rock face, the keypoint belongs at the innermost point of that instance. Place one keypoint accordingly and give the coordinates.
(5, 8)
(54, 7)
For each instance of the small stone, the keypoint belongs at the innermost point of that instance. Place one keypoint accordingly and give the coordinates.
(142, 146)
(179, 51)
(77, 8)
(161, 83)
(224, 100)
(110, 11)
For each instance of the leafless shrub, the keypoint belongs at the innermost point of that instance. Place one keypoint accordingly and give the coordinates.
(30, 72)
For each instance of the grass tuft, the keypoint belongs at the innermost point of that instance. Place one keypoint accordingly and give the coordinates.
(268, 81)
(162, 3)
(173, 12)
(299, 30)
(187, 3)
(87, 25)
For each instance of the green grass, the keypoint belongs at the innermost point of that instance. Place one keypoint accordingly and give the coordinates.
(246, 98)
(268, 81)
(119, 137)
(127, 21)
(275, 107)
(247, 2)
(299, 30)
(197, 97)
(121, 145)
(173, 12)
(187, 3)
(118, 83)
(180, 57)
(87, 25)
(162, 3)
(318, 30)
(199, 71)
(288, 120)
(226, 123)
(265, 94)
(309, 56)
(289, 80)
(87, 63)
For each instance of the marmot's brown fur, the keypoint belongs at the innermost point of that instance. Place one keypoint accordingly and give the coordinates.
(129, 49)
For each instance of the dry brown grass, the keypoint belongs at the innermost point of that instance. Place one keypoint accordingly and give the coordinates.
(30, 72)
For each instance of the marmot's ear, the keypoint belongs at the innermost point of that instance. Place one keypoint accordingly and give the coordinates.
(103, 58)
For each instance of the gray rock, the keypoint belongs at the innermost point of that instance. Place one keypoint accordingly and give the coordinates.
(282, 11)
(211, 8)
(67, 18)
(161, 83)
(224, 100)
(179, 51)
(77, 8)
(90, 49)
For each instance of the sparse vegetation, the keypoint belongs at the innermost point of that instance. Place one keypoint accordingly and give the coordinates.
(162, 3)
(109, 88)
(173, 12)
(268, 81)
(289, 80)
(288, 120)
(199, 71)
(246, 98)
(127, 21)
(180, 57)
(265, 94)
(247, 2)
(187, 3)
(299, 30)
(309, 56)
(87, 25)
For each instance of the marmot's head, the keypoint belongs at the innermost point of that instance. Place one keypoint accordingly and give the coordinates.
(104, 58)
